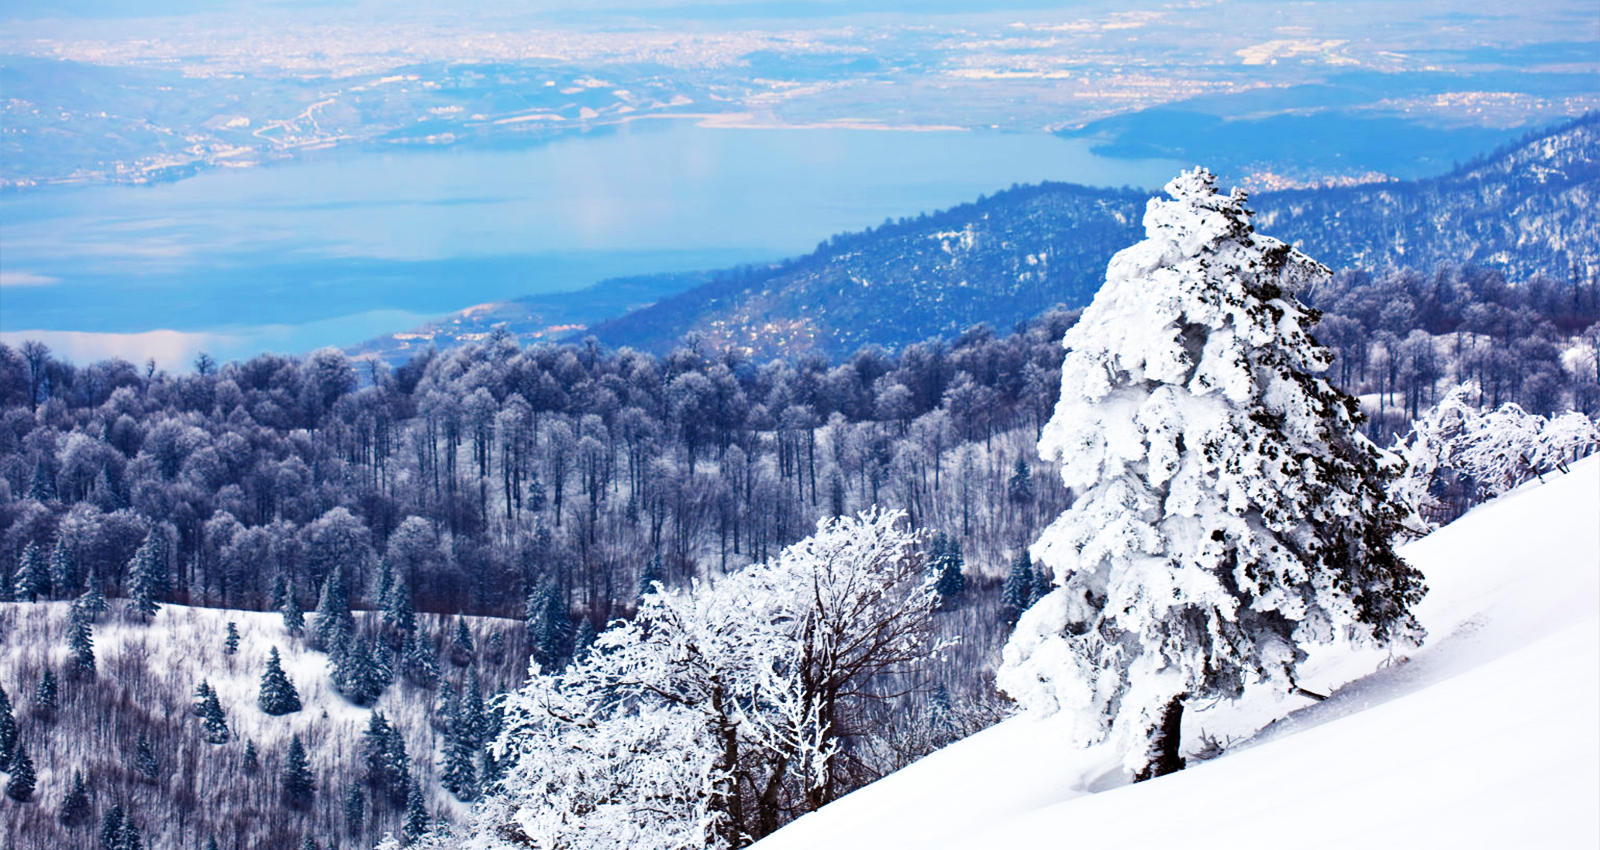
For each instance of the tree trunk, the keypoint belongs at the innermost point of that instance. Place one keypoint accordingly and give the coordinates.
(1164, 741)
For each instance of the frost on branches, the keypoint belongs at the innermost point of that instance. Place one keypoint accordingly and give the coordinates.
(718, 713)
(1228, 512)
(1458, 455)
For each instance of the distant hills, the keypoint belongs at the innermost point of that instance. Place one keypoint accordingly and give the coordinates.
(1529, 207)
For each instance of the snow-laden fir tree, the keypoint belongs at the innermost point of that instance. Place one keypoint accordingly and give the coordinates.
(462, 650)
(1017, 592)
(1228, 511)
(212, 718)
(75, 806)
(297, 785)
(63, 571)
(417, 663)
(252, 760)
(278, 696)
(8, 731)
(33, 575)
(111, 827)
(143, 580)
(80, 642)
(144, 759)
(230, 641)
(20, 786)
(92, 602)
(294, 620)
(416, 820)
(44, 697)
(355, 812)
(388, 766)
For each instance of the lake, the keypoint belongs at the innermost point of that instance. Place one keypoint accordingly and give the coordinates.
(345, 245)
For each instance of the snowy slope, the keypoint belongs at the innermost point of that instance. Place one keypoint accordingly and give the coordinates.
(1489, 736)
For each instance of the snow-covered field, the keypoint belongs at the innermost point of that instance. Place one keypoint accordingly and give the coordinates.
(1488, 736)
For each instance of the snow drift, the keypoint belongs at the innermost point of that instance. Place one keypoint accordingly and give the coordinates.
(1489, 736)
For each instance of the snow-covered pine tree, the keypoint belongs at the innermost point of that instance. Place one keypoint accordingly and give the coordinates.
(549, 626)
(80, 641)
(129, 838)
(1017, 592)
(399, 614)
(144, 759)
(297, 785)
(945, 562)
(44, 697)
(294, 620)
(33, 575)
(143, 583)
(111, 827)
(278, 696)
(75, 806)
(63, 571)
(252, 760)
(417, 663)
(230, 641)
(462, 650)
(212, 718)
(355, 812)
(8, 731)
(92, 602)
(388, 766)
(354, 675)
(1228, 511)
(416, 821)
(20, 786)
(458, 770)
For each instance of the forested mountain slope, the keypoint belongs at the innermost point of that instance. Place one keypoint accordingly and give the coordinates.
(1524, 210)
(1485, 737)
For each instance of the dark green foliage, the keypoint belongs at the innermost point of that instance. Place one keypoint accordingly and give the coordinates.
(416, 820)
(294, 621)
(130, 837)
(8, 731)
(252, 760)
(230, 643)
(92, 602)
(278, 695)
(495, 649)
(80, 642)
(549, 627)
(111, 828)
(1020, 487)
(333, 610)
(42, 484)
(1016, 595)
(296, 783)
(33, 575)
(44, 697)
(20, 787)
(399, 615)
(75, 806)
(458, 772)
(355, 812)
(388, 766)
(417, 663)
(945, 562)
(461, 647)
(353, 672)
(212, 718)
(203, 690)
(144, 759)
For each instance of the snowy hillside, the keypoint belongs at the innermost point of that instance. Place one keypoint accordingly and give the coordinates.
(1489, 736)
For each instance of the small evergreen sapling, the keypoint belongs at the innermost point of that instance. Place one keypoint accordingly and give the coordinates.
(230, 643)
(44, 697)
(111, 828)
(278, 696)
(63, 571)
(143, 578)
(1017, 592)
(144, 759)
(8, 731)
(355, 812)
(33, 575)
(416, 821)
(461, 647)
(80, 642)
(213, 719)
(252, 760)
(294, 621)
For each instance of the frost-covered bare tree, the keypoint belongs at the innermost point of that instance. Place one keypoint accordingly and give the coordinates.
(1228, 510)
(721, 711)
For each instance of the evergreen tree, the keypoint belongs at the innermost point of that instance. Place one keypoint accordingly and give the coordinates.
(945, 562)
(549, 626)
(470, 715)
(495, 649)
(63, 571)
(197, 705)
(143, 581)
(388, 766)
(333, 610)
(417, 663)
(1020, 487)
(44, 697)
(416, 821)
(355, 812)
(1228, 510)
(111, 828)
(1016, 595)
(230, 643)
(252, 760)
(80, 642)
(584, 638)
(309, 844)
(278, 696)
(649, 577)
(92, 602)
(461, 648)
(399, 614)
(280, 591)
(294, 622)
(211, 843)
(129, 838)
(353, 673)
(75, 806)
(297, 784)
(8, 731)
(213, 719)
(458, 772)
(33, 575)
(42, 485)
(20, 787)
(144, 759)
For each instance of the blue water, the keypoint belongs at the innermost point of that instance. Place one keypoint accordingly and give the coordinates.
(345, 245)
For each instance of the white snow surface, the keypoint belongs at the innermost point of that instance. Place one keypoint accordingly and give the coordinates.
(1488, 736)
